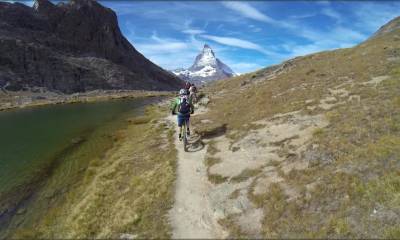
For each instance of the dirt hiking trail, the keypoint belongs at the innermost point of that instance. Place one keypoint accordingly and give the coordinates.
(192, 215)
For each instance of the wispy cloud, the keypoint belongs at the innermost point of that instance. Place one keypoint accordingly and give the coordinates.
(324, 3)
(193, 31)
(302, 16)
(235, 42)
(344, 35)
(255, 28)
(244, 67)
(333, 14)
(248, 11)
(301, 50)
(240, 43)
(337, 37)
(334, 35)
(372, 15)
(163, 50)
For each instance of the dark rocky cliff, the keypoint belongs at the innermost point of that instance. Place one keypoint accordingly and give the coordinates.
(71, 47)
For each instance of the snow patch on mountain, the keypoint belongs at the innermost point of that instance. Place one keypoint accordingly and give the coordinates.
(205, 68)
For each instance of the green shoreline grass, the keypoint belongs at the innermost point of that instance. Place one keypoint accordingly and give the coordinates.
(126, 190)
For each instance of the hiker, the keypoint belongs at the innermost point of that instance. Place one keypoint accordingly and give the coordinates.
(187, 85)
(193, 94)
(183, 108)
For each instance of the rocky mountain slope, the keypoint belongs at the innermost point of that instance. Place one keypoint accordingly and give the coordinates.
(71, 47)
(312, 149)
(205, 68)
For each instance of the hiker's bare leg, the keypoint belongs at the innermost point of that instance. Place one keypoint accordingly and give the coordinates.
(180, 131)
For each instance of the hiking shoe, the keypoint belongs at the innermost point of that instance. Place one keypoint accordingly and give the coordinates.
(188, 132)
(180, 137)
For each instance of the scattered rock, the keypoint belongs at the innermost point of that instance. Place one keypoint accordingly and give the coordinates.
(128, 236)
(21, 211)
(328, 103)
(204, 101)
(354, 98)
(77, 140)
(315, 157)
(309, 101)
(341, 92)
(376, 80)
(205, 121)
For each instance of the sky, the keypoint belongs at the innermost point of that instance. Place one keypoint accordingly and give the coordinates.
(246, 35)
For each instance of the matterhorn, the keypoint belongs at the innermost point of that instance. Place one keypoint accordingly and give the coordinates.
(206, 68)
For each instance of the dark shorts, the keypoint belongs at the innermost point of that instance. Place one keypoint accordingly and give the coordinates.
(182, 118)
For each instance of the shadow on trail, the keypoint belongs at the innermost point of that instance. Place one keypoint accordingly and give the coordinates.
(195, 144)
(214, 131)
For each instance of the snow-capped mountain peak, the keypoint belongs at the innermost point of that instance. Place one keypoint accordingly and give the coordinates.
(205, 68)
(205, 58)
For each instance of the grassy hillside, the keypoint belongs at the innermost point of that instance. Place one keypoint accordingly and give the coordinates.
(321, 136)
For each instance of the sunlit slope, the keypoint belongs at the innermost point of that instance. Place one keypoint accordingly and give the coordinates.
(286, 86)
(322, 134)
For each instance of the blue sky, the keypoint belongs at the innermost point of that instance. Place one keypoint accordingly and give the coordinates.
(246, 35)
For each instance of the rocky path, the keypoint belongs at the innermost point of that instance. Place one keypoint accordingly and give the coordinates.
(192, 215)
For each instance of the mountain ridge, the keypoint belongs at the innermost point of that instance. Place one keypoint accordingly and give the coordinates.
(73, 46)
(391, 26)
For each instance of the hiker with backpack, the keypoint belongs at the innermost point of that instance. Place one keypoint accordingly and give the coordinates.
(183, 108)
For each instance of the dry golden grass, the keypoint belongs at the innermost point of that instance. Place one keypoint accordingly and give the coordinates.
(235, 230)
(356, 172)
